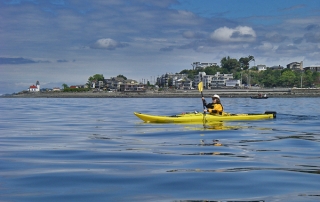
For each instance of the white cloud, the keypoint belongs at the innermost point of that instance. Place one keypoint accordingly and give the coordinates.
(108, 44)
(238, 34)
(265, 46)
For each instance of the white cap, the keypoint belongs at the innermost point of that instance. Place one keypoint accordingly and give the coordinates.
(217, 96)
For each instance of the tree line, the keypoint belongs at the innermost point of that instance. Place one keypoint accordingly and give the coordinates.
(268, 78)
(241, 71)
(91, 79)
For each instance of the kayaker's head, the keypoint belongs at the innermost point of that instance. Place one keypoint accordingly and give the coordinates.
(216, 98)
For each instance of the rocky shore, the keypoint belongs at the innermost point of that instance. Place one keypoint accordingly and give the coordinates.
(237, 93)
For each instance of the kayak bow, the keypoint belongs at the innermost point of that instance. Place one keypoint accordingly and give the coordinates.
(196, 118)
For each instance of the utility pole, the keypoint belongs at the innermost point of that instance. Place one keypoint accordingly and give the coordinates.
(249, 86)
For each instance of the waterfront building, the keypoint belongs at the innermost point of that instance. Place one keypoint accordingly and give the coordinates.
(35, 88)
(56, 89)
(261, 67)
(212, 81)
(295, 66)
(233, 83)
(121, 84)
(133, 87)
(197, 65)
(314, 68)
(178, 81)
(114, 83)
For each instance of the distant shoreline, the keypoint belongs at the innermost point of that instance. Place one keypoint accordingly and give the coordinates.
(237, 93)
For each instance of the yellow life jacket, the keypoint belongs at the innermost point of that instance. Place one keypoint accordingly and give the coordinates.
(217, 109)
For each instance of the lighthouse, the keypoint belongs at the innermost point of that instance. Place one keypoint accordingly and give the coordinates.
(35, 88)
(38, 86)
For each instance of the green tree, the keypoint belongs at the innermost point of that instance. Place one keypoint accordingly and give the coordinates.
(191, 73)
(244, 62)
(307, 79)
(316, 78)
(229, 64)
(212, 70)
(270, 78)
(170, 82)
(288, 78)
(268, 81)
(95, 78)
(65, 86)
(121, 76)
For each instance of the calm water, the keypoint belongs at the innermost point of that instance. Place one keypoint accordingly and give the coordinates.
(97, 150)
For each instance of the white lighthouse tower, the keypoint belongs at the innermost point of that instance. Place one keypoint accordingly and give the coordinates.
(38, 86)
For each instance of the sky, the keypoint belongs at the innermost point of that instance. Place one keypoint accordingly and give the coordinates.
(60, 42)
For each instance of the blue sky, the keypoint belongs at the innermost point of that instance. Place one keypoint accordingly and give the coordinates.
(66, 41)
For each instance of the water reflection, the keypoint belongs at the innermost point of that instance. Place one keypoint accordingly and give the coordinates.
(310, 171)
(207, 126)
(219, 126)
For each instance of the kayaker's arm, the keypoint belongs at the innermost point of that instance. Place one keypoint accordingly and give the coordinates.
(215, 109)
(212, 111)
(204, 102)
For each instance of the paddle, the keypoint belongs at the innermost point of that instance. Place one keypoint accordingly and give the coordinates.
(200, 88)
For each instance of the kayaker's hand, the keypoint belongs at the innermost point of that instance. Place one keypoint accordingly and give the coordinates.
(205, 111)
(202, 98)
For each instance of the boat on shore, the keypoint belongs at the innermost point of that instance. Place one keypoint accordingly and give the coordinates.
(200, 118)
(258, 97)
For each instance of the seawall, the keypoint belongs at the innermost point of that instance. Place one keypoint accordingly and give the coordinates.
(272, 92)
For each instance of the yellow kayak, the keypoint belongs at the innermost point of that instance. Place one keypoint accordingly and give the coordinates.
(195, 117)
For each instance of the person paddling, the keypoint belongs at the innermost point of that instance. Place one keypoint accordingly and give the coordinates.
(215, 107)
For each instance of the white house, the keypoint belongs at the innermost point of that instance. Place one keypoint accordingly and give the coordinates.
(232, 83)
(261, 67)
(212, 81)
(35, 88)
(196, 65)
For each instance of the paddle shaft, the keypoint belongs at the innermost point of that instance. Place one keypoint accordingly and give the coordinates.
(200, 88)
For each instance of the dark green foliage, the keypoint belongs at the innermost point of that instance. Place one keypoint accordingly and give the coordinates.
(96, 77)
(191, 73)
(76, 89)
(268, 78)
(230, 64)
(121, 76)
(244, 62)
(65, 85)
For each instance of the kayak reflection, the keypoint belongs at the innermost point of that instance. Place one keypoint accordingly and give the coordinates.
(218, 126)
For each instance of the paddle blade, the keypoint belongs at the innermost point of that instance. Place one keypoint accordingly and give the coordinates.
(200, 86)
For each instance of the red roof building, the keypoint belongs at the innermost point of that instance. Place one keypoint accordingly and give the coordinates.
(34, 88)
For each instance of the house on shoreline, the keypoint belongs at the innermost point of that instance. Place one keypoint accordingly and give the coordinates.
(34, 88)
